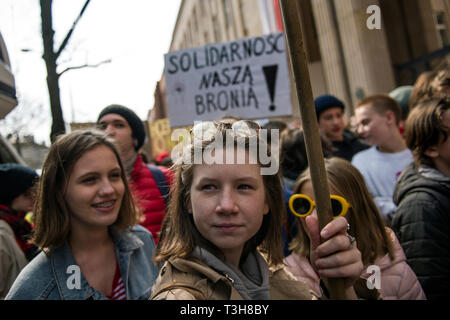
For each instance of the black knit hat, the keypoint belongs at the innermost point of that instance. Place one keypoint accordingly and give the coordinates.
(15, 179)
(325, 102)
(137, 127)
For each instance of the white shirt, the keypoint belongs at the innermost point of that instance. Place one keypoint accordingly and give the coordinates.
(380, 171)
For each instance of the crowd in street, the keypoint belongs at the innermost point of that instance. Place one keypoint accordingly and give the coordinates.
(100, 222)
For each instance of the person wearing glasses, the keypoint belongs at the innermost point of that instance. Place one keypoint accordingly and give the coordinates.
(378, 244)
(222, 238)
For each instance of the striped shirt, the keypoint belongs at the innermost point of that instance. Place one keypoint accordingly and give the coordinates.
(118, 287)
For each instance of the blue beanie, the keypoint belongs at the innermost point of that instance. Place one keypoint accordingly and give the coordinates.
(136, 125)
(325, 102)
(15, 179)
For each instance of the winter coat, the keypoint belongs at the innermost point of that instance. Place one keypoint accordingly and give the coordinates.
(349, 146)
(398, 281)
(53, 275)
(185, 279)
(422, 225)
(12, 258)
(146, 190)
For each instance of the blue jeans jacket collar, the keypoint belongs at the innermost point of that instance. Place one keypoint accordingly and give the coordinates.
(62, 262)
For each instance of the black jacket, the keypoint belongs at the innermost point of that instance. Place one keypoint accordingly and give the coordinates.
(348, 147)
(422, 225)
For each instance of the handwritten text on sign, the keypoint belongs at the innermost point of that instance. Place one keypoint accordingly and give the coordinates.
(247, 78)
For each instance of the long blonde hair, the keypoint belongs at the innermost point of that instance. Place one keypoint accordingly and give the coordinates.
(367, 225)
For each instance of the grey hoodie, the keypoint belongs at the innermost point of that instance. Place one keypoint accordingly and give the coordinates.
(251, 281)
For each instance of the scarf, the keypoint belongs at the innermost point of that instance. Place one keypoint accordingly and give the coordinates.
(22, 229)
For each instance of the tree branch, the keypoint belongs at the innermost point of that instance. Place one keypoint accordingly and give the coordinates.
(85, 66)
(69, 34)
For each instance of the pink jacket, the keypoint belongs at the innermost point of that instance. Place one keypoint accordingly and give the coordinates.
(398, 280)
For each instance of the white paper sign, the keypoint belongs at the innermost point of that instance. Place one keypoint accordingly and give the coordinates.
(247, 78)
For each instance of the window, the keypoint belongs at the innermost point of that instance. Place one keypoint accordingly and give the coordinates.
(228, 13)
(216, 27)
(202, 6)
(195, 30)
(241, 12)
(441, 28)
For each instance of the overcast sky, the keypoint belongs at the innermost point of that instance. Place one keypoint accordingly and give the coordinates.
(135, 34)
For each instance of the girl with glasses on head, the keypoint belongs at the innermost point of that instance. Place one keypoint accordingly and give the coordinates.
(85, 222)
(222, 235)
(378, 244)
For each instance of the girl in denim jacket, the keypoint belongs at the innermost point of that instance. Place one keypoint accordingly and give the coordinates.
(86, 225)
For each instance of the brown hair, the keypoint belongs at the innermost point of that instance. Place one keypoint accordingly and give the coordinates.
(180, 236)
(423, 129)
(52, 215)
(381, 103)
(367, 225)
(422, 89)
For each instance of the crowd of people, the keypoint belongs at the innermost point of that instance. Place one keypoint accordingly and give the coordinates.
(100, 222)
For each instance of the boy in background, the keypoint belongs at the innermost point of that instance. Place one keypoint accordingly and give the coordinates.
(378, 119)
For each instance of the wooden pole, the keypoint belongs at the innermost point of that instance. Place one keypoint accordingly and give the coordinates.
(299, 67)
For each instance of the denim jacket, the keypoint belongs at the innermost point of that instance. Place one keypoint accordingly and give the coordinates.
(52, 275)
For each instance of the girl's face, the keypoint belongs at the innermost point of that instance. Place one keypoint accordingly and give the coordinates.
(228, 204)
(95, 189)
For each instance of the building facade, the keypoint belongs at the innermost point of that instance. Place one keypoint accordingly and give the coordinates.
(354, 48)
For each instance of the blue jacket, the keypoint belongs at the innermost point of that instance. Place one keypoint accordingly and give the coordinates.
(50, 275)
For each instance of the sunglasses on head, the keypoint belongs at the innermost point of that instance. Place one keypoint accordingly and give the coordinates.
(302, 205)
(206, 130)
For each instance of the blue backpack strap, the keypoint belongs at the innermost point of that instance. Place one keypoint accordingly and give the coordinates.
(161, 182)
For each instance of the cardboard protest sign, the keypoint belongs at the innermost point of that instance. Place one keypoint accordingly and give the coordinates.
(160, 137)
(247, 78)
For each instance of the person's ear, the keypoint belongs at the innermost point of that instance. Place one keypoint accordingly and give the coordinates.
(390, 116)
(266, 208)
(432, 152)
(189, 207)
